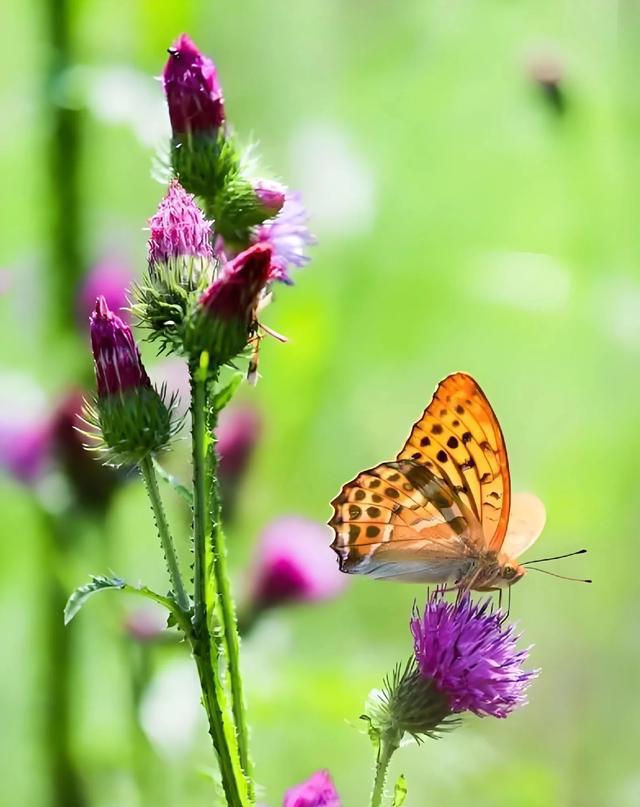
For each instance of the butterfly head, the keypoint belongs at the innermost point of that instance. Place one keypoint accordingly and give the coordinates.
(509, 572)
(498, 572)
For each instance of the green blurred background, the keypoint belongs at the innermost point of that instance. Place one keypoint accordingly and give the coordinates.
(464, 222)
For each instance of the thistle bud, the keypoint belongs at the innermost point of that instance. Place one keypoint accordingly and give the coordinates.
(316, 791)
(180, 266)
(226, 313)
(202, 154)
(129, 416)
(241, 206)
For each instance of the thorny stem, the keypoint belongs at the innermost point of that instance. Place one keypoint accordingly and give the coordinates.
(151, 483)
(386, 749)
(205, 644)
(228, 613)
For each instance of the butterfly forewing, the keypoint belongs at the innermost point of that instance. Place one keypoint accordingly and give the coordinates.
(399, 520)
(458, 439)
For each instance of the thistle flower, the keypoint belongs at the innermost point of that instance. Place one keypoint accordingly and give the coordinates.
(271, 195)
(194, 94)
(292, 565)
(178, 229)
(181, 264)
(288, 236)
(226, 313)
(317, 791)
(464, 648)
(130, 418)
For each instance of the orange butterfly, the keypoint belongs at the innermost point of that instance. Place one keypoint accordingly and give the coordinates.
(443, 510)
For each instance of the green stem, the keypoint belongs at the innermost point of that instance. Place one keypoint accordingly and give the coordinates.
(151, 483)
(206, 645)
(386, 750)
(229, 618)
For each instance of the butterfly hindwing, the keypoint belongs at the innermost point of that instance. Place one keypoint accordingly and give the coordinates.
(398, 520)
(458, 438)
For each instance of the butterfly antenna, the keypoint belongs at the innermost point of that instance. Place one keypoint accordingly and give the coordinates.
(561, 576)
(556, 557)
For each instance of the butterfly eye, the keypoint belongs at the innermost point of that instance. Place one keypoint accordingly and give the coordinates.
(508, 572)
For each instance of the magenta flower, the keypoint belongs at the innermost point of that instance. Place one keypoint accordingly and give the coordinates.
(25, 449)
(117, 359)
(237, 433)
(108, 278)
(178, 228)
(288, 235)
(271, 195)
(464, 648)
(292, 565)
(194, 95)
(317, 791)
(235, 294)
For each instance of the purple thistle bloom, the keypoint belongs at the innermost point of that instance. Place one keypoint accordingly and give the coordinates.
(194, 94)
(178, 228)
(463, 647)
(110, 278)
(292, 565)
(288, 234)
(317, 791)
(116, 356)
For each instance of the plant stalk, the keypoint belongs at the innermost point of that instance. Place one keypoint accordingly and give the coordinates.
(151, 483)
(228, 614)
(206, 645)
(386, 750)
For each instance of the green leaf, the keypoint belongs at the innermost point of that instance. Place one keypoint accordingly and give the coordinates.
(101, 583)
(174, 482)
(82, 594)
(223, 396)
(400, 791)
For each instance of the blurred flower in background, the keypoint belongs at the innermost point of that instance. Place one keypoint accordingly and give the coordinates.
(25, 428)
(317, 791)
(292, 564)
(238, 431)
(109, 277)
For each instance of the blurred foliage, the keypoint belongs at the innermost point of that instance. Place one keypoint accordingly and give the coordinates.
(492, 235)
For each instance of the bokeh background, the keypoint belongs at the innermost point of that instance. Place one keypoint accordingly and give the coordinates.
(472, 172)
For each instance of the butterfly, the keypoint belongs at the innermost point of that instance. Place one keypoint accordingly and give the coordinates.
(443, 509)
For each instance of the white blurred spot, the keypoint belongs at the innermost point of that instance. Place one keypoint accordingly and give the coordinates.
(118, 94)
(528, 280)
(337, 184)
(170, 712)
(23, 402)
(616, 306)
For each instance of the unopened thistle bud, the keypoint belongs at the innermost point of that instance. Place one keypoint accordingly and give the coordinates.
(180, 266)
(241, 206)
(202, 154)
(225, 316)
(129, 416)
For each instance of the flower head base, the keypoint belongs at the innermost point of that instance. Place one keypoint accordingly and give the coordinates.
(194, 95)
(129, 417)
(472, 659)
(226, 313)
(317, 791)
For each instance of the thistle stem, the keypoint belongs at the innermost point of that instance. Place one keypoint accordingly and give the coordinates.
(206, 646)
(386, 750)
(229, 618)
(151, 483)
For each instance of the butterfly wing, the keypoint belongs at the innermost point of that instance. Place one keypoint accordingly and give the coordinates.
(458, 438)
(526, 522)
(399, 521)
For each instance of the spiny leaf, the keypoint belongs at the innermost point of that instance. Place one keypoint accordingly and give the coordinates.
(101, 583)
(223, 396)
(180, 489)
(82, 594)
(400, 791)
